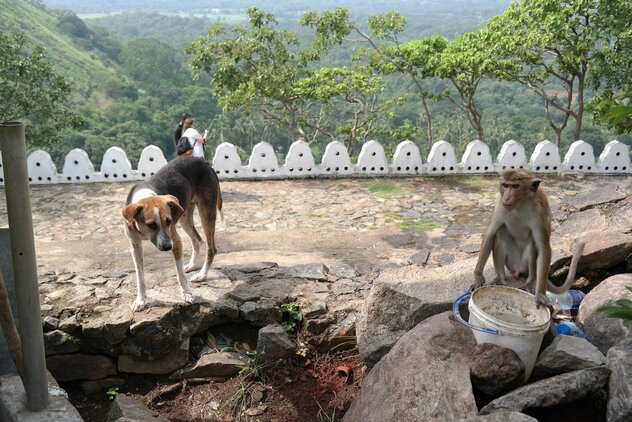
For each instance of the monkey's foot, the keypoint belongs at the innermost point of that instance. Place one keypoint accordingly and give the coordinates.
(541, 300)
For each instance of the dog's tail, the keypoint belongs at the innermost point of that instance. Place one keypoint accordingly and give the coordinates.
(219, 204)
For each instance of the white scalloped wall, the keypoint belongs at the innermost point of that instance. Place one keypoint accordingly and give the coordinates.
(372, 161)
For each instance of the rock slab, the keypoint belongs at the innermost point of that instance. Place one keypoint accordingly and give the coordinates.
(425, 377)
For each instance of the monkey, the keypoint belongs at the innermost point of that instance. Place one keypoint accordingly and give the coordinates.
(519, 237)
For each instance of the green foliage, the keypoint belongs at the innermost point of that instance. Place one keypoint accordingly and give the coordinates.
(112, 393)
(622, 308)
(29, 86)
(292, 316)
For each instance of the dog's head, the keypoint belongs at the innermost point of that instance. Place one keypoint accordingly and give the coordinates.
(153, 218)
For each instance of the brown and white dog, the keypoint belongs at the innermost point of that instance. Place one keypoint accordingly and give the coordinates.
(153, 208)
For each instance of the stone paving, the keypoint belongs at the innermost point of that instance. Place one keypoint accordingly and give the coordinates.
(358, 222)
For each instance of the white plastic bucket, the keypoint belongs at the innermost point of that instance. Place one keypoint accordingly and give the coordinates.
(507, 317)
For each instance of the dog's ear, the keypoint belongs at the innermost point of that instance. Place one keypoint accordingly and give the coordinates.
(131, 214)
(132, 210)
(173, 204)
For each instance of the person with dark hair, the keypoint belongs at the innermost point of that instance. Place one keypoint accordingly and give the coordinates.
(194, 138)
(177, 134)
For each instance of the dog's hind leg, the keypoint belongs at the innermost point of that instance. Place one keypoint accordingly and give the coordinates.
(177, 256)
(208, 215)
(196, 239)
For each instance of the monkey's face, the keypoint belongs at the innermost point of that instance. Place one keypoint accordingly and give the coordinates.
(511, 193)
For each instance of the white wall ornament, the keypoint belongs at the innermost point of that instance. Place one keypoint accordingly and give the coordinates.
(115, 166)
(336, 160)
(41, 168)
(477, 158)
(615, 158)
(78, 168)
(580, 157)
(512, 156)
(372, 159)
(226, 161)
(441, 159)
(263, 161)
(299, 160)
(151, 160)
(545, 158)
(1, 171)
(407, 159)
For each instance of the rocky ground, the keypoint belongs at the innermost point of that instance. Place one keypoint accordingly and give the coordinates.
(353, 228)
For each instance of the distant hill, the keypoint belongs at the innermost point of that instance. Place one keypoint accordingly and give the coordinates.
(287, 8)
(80, 62)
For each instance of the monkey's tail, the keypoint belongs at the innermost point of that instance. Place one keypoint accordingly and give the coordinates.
(572, 270)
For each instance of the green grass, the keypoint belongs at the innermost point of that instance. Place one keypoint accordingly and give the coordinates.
(385, 190)
(420, 224)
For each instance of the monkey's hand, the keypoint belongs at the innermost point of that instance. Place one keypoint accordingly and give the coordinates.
(479, 280)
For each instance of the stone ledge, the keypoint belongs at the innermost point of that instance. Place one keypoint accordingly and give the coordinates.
(13, 403)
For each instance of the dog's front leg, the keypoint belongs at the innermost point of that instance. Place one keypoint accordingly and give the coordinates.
(177, 256)
(137, 256)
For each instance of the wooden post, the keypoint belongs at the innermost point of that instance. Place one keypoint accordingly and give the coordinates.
(13, 146)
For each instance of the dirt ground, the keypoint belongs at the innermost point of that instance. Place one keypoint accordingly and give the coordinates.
(318, 387)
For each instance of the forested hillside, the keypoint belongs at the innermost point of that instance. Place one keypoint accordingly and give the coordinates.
(131, 76)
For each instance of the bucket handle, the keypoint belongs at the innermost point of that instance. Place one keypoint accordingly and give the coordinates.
(457, 315)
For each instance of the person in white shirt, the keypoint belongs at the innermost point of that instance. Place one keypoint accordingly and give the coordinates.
(195, 138)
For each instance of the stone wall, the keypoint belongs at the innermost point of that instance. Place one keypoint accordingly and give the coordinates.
(372, 161)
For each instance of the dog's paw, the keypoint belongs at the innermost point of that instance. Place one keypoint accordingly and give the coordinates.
(189, 267)
(188, 298)
(138, 305)
(198, 277)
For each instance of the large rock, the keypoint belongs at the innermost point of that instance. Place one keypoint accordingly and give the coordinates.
(604, 249)
(78, 366)
(496, 369)
(602, 331)
(619, 360)
(566, 354)
(502, 416)
(221, 364)
(58, 342)
(549, 392)
(124, 408)
(163, 365)
(402, 298)
(274, 343)
(425, 377)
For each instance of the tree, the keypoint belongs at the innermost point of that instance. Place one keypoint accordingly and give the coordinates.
(386, 53)
(29, 87)
(612, 72)
(552, 44)
(354, 92)
(254, 69)
(264, 70)
(465, 62)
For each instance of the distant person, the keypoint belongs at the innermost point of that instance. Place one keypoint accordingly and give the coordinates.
(177, 133)
(196, 140)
